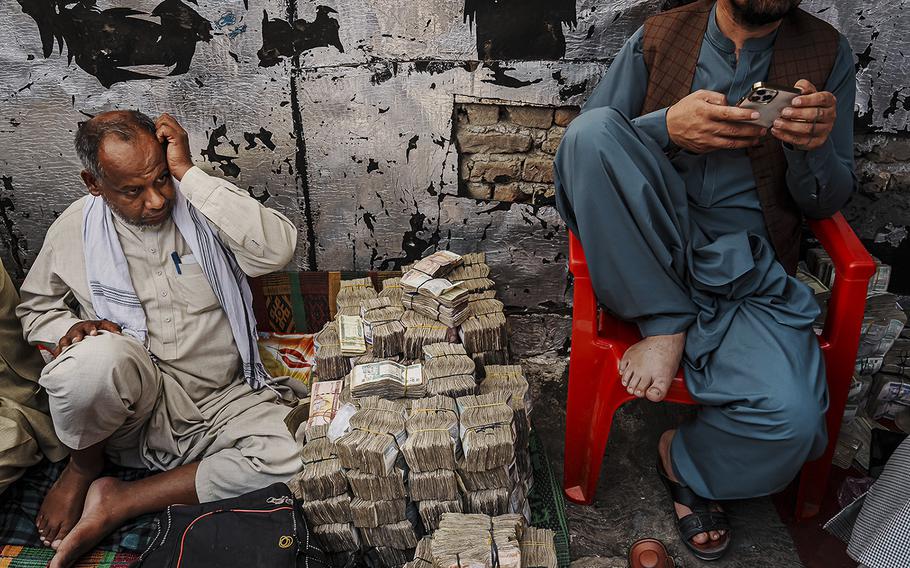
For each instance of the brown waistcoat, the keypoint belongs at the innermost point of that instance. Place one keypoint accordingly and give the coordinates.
(805, 48)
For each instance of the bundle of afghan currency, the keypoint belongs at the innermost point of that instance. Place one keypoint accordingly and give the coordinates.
(509, 381)
(897, 360)
(478, 541)
(436, 298)
(350, 335)
(351, 293)
(423, 556)
(367, 513)
(432, 428)
(328, 511)
(382, 326)
(391, 289)
(448, 370)
(325, 398)
(431, 511)
(486, 328)
(322, 476)
(338, 537)
(438, 484)
(400, 535)
(420, 331)
(484, 359)
(889, 395)
(438, 264)
(388, 379)
(473, 278)
(487, 431)
(331, 363)
(821, 265)
(377, 487)
(377, 432)
(538, 549)
(883, 322)
(389, 557)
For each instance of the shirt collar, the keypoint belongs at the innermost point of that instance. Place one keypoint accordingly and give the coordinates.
(725, 44)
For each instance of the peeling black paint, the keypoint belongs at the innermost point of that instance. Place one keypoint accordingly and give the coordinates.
(384, 72)
(104, 42)
(372, 166)
(282, 39)
(225, 163)
(412, 145)
(9, 233)
(263, 135)
(413, 246)
(520, 29)
(502, 79)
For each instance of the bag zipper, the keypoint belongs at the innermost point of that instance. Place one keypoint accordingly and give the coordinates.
(204, 515)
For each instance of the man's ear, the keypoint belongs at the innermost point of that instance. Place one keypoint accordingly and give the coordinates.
(91, 182)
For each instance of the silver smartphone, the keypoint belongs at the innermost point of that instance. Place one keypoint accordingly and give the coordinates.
(769, 101)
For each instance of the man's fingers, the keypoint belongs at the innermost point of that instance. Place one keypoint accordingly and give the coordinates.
(799, 140)
(810, 114)
(737, 130)
(722, 143)
(805, 86)
(731, 113)
(712, 97)
(822, 99)
(110, 326)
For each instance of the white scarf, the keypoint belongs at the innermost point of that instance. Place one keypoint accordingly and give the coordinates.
(115, 299)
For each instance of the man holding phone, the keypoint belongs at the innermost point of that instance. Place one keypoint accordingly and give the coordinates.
(155, 358)
(690, 212)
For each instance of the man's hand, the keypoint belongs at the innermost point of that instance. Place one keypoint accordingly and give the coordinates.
(809, 121)
(78, 332)
(169, 132)
(703, 122)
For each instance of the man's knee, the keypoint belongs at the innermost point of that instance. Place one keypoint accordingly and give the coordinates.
(796, 419)
(591, 128)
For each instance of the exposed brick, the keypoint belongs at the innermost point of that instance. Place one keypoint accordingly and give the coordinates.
(537, 192)
(509, 192)
(465, 167)
(565, 115)
(553, 139)
(535, 117)
(479, 190)
(496, 171)
(494, 141)
(891, 150)
(538, 170)
(482, 115)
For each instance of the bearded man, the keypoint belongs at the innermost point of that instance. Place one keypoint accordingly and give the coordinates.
(690, 213)
(141, 287)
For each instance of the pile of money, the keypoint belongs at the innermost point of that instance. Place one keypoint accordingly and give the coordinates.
(420, 331)
(338, 537)
(350, 335)
(328, 511)
(432, 428)
(331, 363)
(325, 398)
(382, 326)
(367, 513)
(391, 289)
(473, 278)
(436, 298)
(897, 360)
(883, 322)
(488, 501)
(351, 293)
(487, 431)
(439, 484)
(448, 370)
(821, 265)
(483, 359)
(322, 476)
(486, 328)
(400, 535)
(388, 380)
(477, 540)
(538, 549)
(438, 264)
(423, 556)
(390, 557)
(377, 432)
(431, 511)
(497, 477)
(474, 258)
(377, 487)
(509, 382)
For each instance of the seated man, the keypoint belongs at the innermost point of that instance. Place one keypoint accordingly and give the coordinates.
(142, 288)
(26, 432)
(690, 219)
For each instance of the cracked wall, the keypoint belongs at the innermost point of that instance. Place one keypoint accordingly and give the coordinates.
(339, 114)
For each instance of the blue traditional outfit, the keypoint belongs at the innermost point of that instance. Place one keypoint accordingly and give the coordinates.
(676, 241)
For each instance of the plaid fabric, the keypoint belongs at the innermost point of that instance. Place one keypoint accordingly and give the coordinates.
(26, 557)
(805, 48)
(20, 503)
(301, 302)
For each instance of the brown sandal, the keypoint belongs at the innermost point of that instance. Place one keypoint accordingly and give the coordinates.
(649, 553)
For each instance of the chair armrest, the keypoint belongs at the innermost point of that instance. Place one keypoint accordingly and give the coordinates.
(578, 266)
(853, 267)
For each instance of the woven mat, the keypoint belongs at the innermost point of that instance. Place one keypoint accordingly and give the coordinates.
(26, 557)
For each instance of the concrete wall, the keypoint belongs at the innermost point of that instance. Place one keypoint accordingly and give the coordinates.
(344, 121)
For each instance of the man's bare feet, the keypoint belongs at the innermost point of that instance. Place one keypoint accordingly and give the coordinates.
(104, 511)
(62, 506)
(663, 448)
(648, 367)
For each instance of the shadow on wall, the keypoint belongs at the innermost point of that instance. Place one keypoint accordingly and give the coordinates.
(105, 42)
(520, 29)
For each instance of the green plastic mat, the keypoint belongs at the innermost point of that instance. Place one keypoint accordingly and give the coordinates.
(548, 507)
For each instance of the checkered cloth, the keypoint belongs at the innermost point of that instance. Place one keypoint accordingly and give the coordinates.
(20, 503)
(27, 557)
(876, 526)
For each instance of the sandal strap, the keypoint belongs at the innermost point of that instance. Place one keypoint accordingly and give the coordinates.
(695, 523)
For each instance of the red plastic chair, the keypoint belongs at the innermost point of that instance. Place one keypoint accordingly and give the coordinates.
(599, 341)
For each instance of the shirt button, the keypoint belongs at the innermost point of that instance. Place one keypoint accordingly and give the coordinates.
(164, 294)
(167, 320)
(159, 273)
(153, 251)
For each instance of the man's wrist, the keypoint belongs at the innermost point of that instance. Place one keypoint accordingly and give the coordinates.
(179, 170)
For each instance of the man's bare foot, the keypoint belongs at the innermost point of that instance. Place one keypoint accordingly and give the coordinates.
(648, 367)
(663, 448)
(104, 511)
(62, 506)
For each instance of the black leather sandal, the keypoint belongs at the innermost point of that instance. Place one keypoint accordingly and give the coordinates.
(702, 520)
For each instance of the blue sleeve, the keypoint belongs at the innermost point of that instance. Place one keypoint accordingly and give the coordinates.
(822, 180)
(624, 87)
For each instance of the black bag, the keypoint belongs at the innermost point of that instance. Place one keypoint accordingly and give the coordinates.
(262, 528)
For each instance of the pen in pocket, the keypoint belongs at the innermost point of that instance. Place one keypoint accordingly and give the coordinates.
(176, 258)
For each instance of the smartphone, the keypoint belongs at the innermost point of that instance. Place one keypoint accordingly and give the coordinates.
(769, 101)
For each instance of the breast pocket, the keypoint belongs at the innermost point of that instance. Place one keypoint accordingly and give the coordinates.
(195, 290)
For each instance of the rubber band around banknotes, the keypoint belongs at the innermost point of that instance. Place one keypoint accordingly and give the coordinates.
(489, 405)
(434, 409)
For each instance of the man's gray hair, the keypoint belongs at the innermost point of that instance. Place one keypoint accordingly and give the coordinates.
(126, 125)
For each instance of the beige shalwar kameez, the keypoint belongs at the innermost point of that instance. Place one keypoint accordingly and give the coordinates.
(190, 403)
